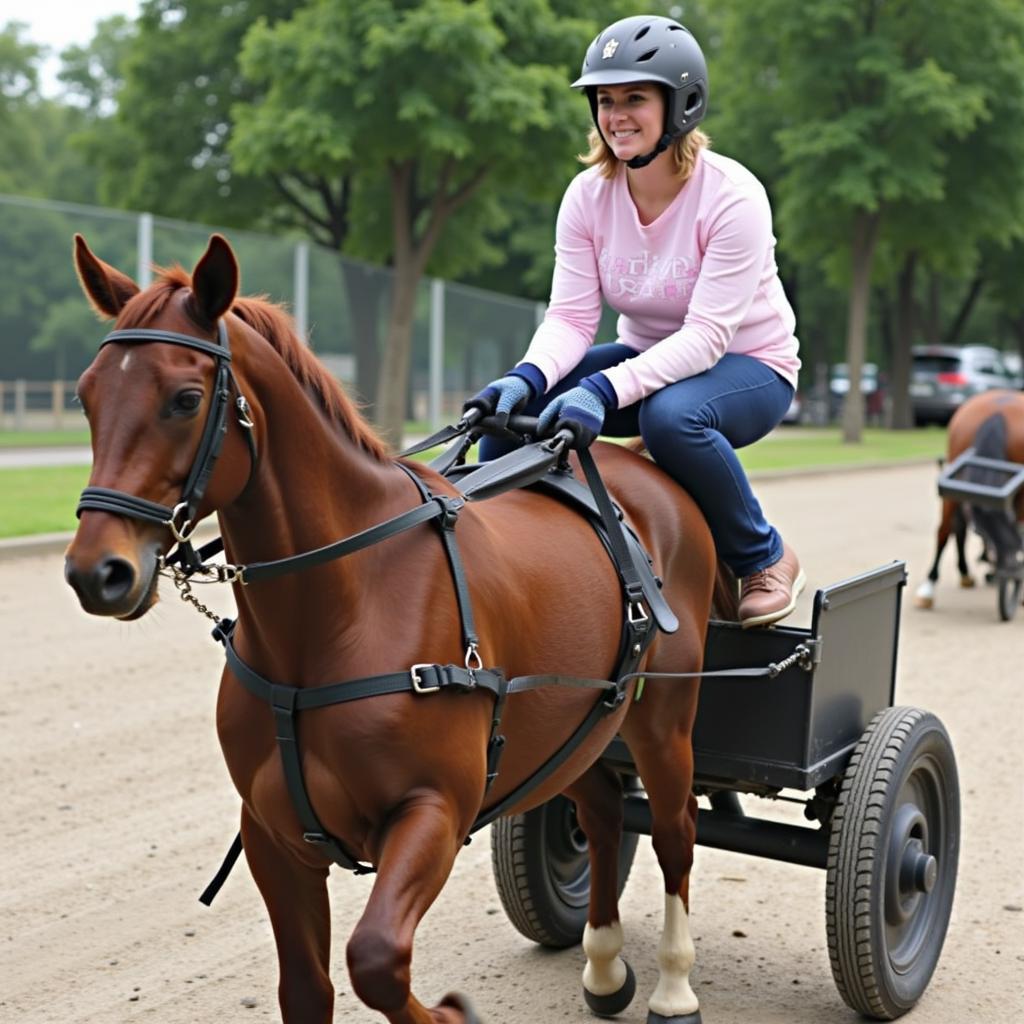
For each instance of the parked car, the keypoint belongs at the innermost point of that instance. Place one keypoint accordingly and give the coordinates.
(870, 388)
(1015, 364)
(943, 377)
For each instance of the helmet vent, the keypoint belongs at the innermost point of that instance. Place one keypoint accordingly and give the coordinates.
(676, 28)
(642, 32)
(646, 56)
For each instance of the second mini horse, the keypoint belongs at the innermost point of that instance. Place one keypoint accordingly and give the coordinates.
(993, 424)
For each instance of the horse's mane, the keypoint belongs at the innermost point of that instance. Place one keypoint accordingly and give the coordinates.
(273, 323)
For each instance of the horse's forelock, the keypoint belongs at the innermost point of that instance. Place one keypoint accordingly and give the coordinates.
(152, 300)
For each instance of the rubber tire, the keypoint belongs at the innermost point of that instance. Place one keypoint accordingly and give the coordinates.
(1009, 598)
(543, 875)
(900, 745)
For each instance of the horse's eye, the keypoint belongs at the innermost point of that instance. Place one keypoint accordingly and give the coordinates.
(188, 401)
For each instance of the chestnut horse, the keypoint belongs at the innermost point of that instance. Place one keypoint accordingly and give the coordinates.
(993, 424)
(399, 779)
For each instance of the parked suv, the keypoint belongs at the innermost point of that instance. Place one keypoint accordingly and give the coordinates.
(942, 377)
(870, 387)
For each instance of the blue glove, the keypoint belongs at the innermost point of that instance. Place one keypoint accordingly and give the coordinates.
(508, 393)
(581, 410)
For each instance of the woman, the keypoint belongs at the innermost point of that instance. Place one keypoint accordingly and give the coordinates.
(678, 240)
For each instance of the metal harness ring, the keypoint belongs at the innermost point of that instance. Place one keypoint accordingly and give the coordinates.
(183, 533)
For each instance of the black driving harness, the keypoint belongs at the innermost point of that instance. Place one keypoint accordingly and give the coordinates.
(644, 606)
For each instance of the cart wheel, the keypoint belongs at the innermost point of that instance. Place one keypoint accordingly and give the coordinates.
(542, 871)
(1009, 598)
(892, 861)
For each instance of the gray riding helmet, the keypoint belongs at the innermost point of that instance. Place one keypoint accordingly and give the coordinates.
(649, 48)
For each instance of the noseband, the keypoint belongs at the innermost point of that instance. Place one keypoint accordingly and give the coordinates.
(180, 518)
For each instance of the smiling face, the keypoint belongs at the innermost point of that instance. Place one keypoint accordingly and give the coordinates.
(631, 117)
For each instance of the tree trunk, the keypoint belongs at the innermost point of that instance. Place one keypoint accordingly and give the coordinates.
(393, 385)
(933, 317)
(899, 375)
(865, 234)
(365, 286)
(964, 312)
(412, 251)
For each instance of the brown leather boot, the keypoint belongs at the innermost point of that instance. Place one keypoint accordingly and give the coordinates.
(770, 594)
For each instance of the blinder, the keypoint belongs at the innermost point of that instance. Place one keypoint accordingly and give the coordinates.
(180, 519)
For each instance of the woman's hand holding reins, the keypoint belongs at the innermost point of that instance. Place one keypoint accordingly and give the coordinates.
(506, 395)
(580, 410)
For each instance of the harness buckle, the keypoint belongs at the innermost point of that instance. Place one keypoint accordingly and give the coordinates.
(230, 574)
(417, 680)
(244, 412)
(473, 655)
(182, 534)
(636, 614)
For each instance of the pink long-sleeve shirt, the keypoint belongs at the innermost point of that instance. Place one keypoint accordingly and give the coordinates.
(696, 283)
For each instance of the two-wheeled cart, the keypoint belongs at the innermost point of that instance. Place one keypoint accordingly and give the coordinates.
(878, 783)
(991, 484)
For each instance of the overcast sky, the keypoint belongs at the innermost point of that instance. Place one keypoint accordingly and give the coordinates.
(61, 23)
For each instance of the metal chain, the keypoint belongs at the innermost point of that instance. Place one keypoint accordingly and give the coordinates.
(184, 587)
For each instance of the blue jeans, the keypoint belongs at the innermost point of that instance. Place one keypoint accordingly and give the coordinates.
(692, 428)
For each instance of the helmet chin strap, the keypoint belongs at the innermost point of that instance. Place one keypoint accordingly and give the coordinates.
(642, 161)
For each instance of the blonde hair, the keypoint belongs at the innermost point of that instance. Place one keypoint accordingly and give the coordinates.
(683, 151)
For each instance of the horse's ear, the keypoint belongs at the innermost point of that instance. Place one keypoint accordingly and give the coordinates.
(107, 289)
(215, 280)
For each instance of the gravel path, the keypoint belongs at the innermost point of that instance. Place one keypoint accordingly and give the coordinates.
(118, 808)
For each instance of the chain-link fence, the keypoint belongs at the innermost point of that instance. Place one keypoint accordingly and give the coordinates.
(462, 337)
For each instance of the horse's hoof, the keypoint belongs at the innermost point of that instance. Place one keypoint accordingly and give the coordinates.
(967, 582)
(687, 1018)
(457, 1001)
(924, 602)
(614, 1002)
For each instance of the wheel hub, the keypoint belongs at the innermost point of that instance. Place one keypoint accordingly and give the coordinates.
(912, 870)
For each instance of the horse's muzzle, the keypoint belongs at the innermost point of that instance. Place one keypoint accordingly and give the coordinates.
(113, 585)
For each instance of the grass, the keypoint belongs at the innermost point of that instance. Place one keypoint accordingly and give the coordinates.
(43, 499)
(39, 499)
(43, 438)
(818, 447)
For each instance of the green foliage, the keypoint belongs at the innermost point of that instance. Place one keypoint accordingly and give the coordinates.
(93, 75)
(877, 108)
(164, 149)
(462, 92)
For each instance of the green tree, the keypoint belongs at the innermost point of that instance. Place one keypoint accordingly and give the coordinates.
(869, 100)
(433, 112)
(19, 96)
(93, 75)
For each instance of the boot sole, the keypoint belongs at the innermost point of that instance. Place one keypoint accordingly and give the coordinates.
(769, 617)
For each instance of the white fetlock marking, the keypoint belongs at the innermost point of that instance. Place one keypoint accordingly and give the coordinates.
(673, 996)
(605, 972)
(924, 596)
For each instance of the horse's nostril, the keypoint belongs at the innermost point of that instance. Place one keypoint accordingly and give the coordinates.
(116, 577)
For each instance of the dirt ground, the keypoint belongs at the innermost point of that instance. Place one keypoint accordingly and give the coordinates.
(117, 809)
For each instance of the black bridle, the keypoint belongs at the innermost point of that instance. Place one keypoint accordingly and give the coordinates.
(180, 519)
